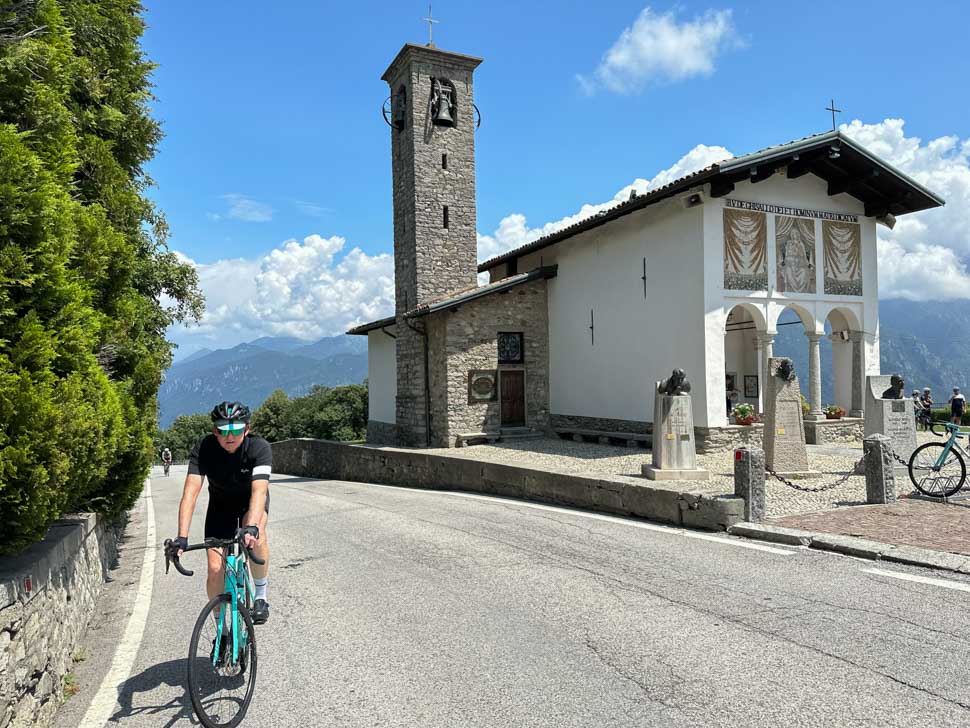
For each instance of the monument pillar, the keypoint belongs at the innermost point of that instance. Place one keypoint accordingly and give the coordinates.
(858, 375)
(814, 378)
(759, 359)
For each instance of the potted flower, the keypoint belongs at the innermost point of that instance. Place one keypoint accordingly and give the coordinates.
(834, 412)
(743, 414)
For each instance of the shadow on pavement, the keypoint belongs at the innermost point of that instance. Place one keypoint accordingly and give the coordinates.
(171, 673)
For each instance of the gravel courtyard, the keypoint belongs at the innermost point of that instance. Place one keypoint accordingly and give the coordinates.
(567, 456)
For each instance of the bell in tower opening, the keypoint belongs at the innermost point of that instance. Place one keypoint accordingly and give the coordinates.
(443, 102)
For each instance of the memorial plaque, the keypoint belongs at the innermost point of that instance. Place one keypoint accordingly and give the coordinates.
(674, 452)
(785, 450)
(893, 418)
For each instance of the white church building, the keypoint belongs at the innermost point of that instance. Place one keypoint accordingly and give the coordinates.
(574, 329)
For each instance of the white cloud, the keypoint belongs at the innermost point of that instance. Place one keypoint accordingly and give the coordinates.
(659, 48)
(246, 209)
(303, 289)
(513, 231)
(923, 257)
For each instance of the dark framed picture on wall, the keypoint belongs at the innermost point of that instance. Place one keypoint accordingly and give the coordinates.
(751, 385)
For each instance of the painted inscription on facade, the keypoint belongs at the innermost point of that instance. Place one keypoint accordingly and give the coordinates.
(792, 211)
(795, 254)
(745, 250)
(842, 245)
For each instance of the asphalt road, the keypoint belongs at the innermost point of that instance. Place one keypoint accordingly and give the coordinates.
(394, 607)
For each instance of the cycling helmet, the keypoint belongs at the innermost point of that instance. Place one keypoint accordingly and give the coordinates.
(915, 392)
(226, 412)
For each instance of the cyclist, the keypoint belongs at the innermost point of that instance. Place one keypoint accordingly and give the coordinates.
(166, 459)
(927, 399)
(957, 403)
(238, 466)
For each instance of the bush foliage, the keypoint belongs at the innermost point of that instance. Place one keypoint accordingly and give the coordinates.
(83, 264)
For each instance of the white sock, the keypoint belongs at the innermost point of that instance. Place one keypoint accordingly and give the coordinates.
(260, 585)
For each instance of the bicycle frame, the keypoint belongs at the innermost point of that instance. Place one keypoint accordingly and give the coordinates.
(950, 445)
(239, 585)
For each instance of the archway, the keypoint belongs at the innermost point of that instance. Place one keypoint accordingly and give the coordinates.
(744, 337)
(841, 327)
(796, 336)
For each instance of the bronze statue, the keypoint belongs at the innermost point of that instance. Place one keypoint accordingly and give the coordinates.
(786, 370)
(895, 390)
(676, 384)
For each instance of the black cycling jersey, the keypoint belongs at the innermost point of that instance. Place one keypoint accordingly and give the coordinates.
(231, 475)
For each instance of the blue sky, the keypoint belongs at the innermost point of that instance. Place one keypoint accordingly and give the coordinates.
(275, 171)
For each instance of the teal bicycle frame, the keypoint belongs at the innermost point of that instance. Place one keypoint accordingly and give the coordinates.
(239, 586)
(951, 443)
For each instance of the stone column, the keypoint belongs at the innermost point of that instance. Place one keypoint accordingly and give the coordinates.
(814, 378)
(760, 363)
(749, 481)
(858, 376)
(766, 341)
(880, 475)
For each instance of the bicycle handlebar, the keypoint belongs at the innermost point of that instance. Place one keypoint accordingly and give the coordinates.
(209, 543)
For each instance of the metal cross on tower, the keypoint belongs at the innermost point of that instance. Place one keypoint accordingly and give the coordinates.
(832, 108)
(430, 21)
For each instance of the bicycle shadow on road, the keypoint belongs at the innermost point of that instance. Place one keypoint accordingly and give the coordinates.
(170, 674)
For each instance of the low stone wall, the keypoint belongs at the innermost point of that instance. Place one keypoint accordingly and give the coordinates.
(561, 422)
(47, 594)
(418, 469)
(722, 439)
(829, 432)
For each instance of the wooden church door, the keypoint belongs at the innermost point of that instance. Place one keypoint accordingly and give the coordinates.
(513, 398)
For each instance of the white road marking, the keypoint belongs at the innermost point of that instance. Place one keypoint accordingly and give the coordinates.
(945, 583)
(107, 696)
(672, 530)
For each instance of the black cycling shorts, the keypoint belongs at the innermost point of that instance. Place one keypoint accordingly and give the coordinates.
(223, 517)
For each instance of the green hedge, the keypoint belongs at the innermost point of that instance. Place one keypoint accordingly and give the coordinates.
(83, 265)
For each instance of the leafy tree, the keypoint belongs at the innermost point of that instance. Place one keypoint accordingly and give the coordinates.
(272, 418)
(331, 414)
(182, 436)
(83, 263)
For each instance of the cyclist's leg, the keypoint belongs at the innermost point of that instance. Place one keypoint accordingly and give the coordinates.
(220, 522)
(261, 548)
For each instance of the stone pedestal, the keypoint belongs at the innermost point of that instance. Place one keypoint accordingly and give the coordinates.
(880, 475)
(674, 452)
(891, 417)
(784, 437)
(749, 481)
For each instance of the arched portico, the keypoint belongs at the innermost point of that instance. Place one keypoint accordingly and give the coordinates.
(745, 357)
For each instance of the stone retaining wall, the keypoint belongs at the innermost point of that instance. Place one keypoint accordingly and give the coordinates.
(721, 439)
(828, 432)
(561, 422)
(381, 433)
(47, 594)
(418, 469)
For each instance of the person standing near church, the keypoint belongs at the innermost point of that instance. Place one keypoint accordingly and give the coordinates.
(957, 404)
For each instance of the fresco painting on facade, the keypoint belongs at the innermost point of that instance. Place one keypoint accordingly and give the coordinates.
(842, 243)
(795, 249)
(745, 250)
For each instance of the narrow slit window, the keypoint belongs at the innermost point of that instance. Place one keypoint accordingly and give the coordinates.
(444, 161)
(445, 217)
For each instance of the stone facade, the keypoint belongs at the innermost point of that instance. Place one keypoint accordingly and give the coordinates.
(830, 432)
(565, 422)
(381, 433)
(466, 339)
(433, 168)
(40, 627)
(724, 439)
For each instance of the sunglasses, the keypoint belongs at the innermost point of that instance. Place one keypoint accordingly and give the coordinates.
(233, 428)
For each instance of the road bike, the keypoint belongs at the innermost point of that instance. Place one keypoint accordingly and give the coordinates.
(937, 469)
(165, 467)
(222, 672)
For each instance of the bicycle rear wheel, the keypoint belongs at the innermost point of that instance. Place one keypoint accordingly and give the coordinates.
(936, 481)
(222, 688)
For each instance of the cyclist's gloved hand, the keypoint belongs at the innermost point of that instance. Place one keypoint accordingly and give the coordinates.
(250, 535)
(177, 545)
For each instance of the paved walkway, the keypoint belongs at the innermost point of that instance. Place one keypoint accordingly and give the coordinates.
(909, 522)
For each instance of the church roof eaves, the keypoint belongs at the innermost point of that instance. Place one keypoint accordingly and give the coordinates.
(373, 325)
(917, 196)
(472, 294)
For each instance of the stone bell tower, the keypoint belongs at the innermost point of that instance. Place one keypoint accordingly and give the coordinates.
(433, 119)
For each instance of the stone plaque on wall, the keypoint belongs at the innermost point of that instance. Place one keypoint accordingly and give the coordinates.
(482, 385)
(745, 250)
(842, 245)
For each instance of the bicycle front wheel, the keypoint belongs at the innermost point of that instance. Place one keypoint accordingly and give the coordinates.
(934, 475)
(222, 680)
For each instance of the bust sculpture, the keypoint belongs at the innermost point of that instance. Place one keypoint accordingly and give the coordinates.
(675, 384)
(896, 385)
(786, 370)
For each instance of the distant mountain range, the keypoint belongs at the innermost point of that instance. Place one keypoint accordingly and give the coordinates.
(928, 342)
(251, 372)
